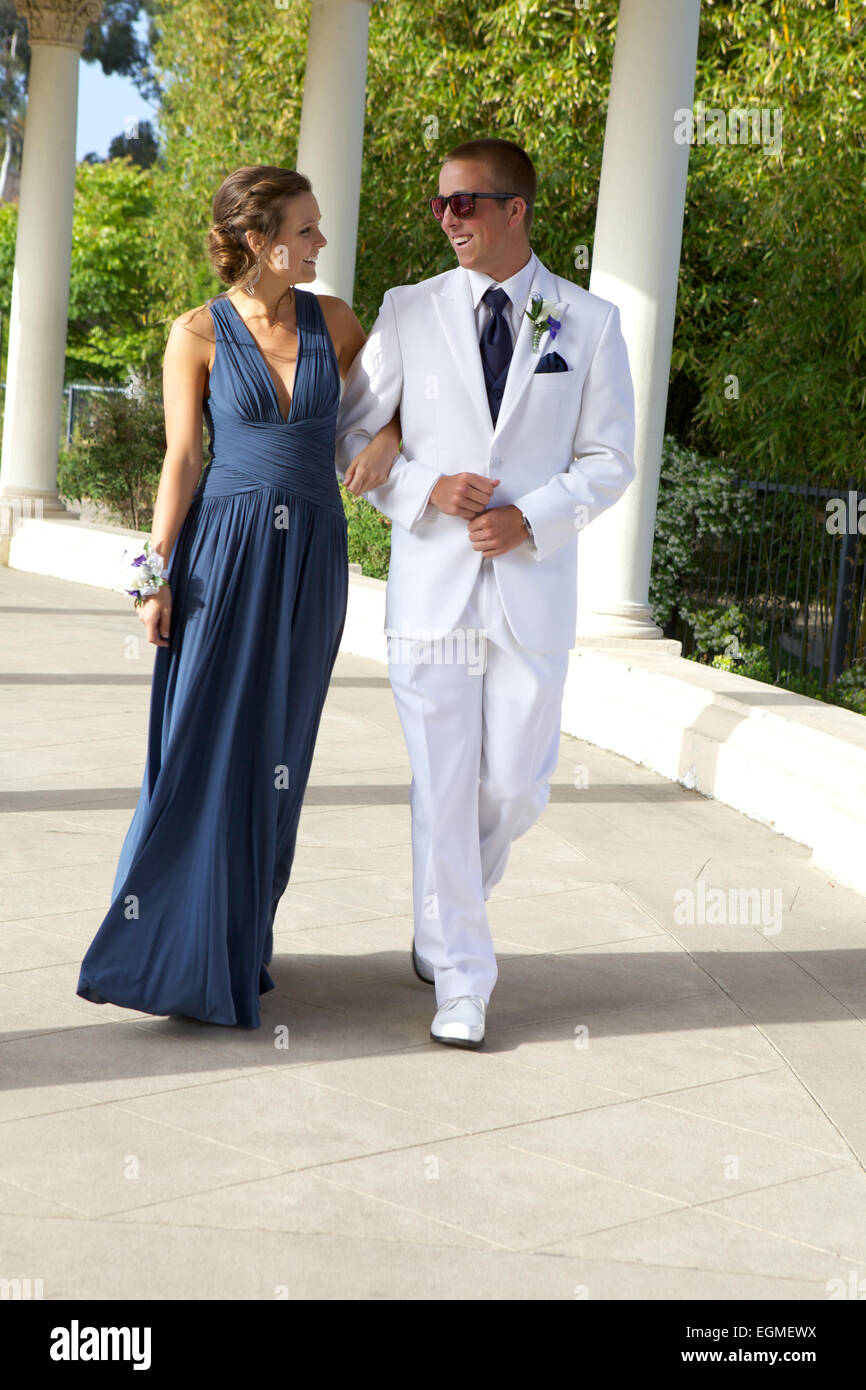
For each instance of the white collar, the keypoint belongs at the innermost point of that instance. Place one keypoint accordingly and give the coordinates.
(517, 286)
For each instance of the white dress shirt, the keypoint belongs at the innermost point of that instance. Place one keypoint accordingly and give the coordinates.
(517, 288)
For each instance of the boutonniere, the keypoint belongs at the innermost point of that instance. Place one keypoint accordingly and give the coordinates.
(540, 314)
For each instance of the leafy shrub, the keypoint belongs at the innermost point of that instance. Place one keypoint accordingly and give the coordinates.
(117, 457)
(720, 641)
(369, 536)
(698, 500)
(849, 689)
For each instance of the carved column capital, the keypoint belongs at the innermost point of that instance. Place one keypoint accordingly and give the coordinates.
(60, 22)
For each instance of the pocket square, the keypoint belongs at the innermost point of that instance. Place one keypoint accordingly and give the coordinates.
(552, 362)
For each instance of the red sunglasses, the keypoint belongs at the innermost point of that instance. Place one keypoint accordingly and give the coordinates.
(462, 204)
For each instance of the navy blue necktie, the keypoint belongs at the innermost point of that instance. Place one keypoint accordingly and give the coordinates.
(496, 349)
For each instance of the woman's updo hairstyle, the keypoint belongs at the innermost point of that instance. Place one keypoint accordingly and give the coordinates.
(251, 199)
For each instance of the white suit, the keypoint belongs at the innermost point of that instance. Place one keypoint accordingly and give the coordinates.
(484, 745)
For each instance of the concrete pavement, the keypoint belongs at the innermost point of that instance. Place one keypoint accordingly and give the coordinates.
(663, 1109)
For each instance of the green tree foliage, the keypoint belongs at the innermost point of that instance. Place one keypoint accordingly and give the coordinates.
(522, 70)
(111, 282)
(8, 228)
(231, 78)
(773, 258)
(139, 143)
(111, 290)
(232, 81)
(773, 274)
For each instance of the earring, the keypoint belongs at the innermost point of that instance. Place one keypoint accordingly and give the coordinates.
(250, 287)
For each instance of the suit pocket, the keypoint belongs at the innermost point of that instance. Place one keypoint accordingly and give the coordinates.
(557, 380)
(552, 397)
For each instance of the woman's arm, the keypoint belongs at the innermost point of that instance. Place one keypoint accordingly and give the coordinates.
(184, 376)
(371, 467)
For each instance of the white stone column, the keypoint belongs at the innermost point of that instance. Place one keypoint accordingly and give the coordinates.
(635, 264)
(40, 283)
(331, 139)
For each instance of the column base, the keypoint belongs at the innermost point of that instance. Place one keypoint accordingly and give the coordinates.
(663, 646)
(630, 621)
(19, 504)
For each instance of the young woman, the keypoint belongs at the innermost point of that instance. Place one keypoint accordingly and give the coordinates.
(249, 624)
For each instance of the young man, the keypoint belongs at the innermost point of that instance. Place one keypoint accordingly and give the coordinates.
(512, 440)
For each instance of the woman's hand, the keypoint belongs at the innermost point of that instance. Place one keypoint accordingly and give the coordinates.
(155, 613)
(372, 466)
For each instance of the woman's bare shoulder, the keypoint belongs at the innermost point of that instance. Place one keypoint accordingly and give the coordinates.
(331, 303)
(198, 323)
(338, 314)
(192, 338)
(347, 335)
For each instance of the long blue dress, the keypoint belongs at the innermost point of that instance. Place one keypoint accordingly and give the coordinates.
(258, 579)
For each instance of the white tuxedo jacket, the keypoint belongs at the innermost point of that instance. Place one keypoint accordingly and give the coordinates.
(562, 447)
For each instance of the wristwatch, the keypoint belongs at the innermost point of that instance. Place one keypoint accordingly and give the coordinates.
(529, 536)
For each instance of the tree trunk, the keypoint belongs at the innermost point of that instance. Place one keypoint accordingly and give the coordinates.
(7, 152)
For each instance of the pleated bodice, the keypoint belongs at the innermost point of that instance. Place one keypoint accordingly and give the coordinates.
(251, 445)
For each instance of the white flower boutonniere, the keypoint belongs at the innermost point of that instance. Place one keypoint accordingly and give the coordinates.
(540, 313)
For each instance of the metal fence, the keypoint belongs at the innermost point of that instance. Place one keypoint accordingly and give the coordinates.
(795, 564)
(75, 412)
(76, 407)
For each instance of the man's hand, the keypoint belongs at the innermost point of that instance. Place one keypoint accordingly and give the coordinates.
(463, 494)
(497, 531)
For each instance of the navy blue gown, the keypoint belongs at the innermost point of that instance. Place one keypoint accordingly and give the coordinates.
(258, 579)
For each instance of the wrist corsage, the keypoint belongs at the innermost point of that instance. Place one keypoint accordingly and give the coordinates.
(143, 573)
(540, 313)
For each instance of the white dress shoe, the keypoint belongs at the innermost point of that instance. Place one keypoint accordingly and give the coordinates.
(460, 1021)
(423, 969)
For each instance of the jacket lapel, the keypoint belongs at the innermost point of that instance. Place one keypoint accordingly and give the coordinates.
(456, 313)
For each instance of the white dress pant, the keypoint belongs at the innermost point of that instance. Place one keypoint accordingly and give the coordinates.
(481, 718)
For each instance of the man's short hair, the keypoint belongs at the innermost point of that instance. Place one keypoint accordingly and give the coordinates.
(508, 166)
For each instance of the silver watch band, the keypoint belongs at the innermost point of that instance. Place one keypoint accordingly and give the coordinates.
(529, 534)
